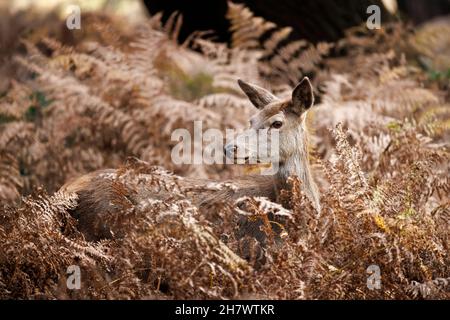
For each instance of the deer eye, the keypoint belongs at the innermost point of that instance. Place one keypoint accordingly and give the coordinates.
(276, 124)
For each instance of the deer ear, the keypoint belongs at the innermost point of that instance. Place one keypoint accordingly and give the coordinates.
(258, 96)
(302, 97)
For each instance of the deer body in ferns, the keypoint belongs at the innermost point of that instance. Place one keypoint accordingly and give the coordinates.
(287, 117)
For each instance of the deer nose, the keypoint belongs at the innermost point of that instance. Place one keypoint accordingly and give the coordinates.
(230, 150)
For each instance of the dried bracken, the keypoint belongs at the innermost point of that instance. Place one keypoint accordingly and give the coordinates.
(379, 144)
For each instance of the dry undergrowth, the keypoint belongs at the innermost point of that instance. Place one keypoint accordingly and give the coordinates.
(380, 138)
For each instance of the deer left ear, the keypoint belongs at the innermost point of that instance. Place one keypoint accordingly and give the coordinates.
(258, 96)
(302, 97)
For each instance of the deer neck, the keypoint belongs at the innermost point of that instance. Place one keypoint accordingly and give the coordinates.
(297, 164)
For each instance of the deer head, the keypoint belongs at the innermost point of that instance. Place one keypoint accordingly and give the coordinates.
(286, 121)
(283, 119)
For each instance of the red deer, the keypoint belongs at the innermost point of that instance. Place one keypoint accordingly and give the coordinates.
(288, 117)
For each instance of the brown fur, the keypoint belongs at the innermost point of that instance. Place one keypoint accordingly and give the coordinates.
(99, 197)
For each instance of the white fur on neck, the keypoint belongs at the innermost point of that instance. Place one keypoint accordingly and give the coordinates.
(297, 164)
